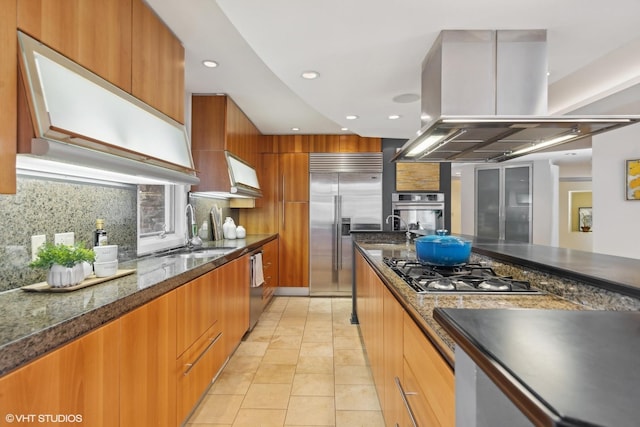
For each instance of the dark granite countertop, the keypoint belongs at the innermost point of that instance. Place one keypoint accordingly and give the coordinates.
(617, 274)
(32, 324)
(421, 306)
(576, 368)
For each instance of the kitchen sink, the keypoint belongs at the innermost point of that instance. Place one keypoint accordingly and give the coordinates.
(201, 252)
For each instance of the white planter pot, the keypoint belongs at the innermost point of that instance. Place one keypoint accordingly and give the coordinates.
(60, 276)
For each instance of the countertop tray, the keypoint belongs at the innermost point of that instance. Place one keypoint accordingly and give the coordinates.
(89, 281)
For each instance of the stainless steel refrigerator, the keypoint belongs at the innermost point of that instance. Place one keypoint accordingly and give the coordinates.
(345, 193)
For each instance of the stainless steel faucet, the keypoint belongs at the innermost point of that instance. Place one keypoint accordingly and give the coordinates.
(402, 221)
(192, 235)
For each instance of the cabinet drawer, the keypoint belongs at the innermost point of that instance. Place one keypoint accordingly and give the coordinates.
(196, 368)
(429, 381)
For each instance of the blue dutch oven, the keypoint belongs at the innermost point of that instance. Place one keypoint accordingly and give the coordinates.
(442, 250)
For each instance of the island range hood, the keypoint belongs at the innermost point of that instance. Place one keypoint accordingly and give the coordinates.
(484, 99)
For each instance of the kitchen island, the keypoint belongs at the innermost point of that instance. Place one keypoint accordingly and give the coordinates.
(434, 348)
(557, 367)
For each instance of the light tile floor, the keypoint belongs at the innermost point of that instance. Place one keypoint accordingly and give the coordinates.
(302, 365)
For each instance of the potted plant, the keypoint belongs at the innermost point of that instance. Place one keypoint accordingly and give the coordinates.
(64, 263)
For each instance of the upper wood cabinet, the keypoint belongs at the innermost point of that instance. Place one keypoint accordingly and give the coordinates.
(359, 144)
(157, 68)
(218, 124)
(326, 144)
(8, 97)
(95, 34)
(80, 379)
(294, 177)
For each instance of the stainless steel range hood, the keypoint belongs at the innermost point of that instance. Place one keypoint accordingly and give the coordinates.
(484, 99)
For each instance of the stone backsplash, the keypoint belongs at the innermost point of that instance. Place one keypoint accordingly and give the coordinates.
(48, 207)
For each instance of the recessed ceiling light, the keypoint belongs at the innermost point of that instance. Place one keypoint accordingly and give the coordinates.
(310, 75)
(351, 117)
(344, 129)
(209, 63)
(394, 117)
(295, 129)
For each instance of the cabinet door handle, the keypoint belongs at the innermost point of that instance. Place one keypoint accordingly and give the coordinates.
(406, 402)
(283, 201)
(190, 366)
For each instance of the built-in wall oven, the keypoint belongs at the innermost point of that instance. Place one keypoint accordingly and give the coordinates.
(418, 211)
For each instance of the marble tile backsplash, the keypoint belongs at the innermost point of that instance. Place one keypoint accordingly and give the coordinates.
(48, 207)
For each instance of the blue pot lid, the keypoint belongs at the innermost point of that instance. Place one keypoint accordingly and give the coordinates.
(440, 237)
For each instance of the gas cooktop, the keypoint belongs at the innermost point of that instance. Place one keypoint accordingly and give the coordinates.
(468, 278)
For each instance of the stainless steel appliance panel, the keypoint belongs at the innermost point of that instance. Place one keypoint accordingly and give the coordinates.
(339, 202)
(418, 211)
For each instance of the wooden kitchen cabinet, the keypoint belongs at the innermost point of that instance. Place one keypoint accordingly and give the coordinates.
(398, 349)
(80, 379)
(429, 381)
(294, 244)
(147, 364)
(234, 288)
(392, 403)
(263, 218)
(218, 124)
(157, 66)
(359, 144)
(198, 308)
(200, 348)
(294, 177)
(8, 97)
(270, 270)
(291, 143)
(95, 34)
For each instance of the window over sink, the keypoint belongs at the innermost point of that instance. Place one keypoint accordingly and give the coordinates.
(160, 217)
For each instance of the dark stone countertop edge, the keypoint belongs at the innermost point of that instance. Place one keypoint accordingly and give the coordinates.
(524, 399)
(18, 353)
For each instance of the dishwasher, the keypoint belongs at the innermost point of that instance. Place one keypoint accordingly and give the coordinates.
(256, 287)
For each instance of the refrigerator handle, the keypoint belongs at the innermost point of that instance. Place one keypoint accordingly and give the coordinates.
(339, 233)
(336, 233)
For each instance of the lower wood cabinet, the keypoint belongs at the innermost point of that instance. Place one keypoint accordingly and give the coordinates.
(429, 381)
(270, 270)
(79, 382)
(147, 364)
(393, 407)
(234, 288)
(409, 374)
(197, 367)
(147, 368)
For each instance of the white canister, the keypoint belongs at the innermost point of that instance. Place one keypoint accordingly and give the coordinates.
(241, 233)
(229, 228)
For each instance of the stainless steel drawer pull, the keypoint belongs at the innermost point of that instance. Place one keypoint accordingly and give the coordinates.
(406, 402)
(190, 366)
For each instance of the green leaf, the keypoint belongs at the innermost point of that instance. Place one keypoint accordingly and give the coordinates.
(68, 256)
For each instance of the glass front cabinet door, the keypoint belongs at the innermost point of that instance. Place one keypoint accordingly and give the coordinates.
(503, 203)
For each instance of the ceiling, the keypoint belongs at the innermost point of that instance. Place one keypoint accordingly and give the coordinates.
(369, 52)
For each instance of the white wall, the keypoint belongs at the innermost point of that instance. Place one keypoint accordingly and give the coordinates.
(616, 221)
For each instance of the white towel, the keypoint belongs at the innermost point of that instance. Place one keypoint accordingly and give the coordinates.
(258, 275)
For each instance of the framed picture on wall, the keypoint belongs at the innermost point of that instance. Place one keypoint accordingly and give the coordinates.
(633, 180)
(585, 219)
